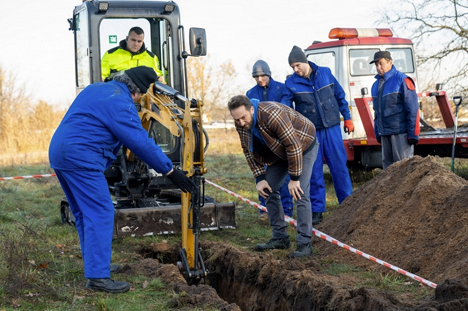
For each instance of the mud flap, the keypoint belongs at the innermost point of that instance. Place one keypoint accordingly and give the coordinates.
(144, 221)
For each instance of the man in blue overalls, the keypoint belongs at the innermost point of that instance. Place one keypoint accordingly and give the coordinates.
(99, 121)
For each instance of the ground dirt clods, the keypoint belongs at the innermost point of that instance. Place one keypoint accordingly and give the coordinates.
(413, 215)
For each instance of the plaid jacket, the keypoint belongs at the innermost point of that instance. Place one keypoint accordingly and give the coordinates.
(287, 134)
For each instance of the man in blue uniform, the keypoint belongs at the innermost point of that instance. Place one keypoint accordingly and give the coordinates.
(102, 117)
(396, 110)
(268, 89)
(318, 96)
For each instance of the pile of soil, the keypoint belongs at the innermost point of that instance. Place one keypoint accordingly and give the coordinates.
(413, 215)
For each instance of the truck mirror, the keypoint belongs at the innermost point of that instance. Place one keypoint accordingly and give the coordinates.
(439, 86)
(364, 91)
(197, 38)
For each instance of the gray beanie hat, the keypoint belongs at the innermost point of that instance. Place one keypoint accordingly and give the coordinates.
(297, 55)
(260, 68)
(142, 76)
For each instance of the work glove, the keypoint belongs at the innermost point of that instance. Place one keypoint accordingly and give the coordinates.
(413, 141)
(348, 126)
(379, 139)
(179, 179)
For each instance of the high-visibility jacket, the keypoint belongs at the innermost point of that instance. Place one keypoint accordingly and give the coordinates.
(119, 58)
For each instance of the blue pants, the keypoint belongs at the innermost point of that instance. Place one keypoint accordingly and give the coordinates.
(90, 202)
(331, 147)
(286, 198)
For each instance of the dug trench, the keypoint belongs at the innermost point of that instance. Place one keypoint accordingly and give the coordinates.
(413, 215)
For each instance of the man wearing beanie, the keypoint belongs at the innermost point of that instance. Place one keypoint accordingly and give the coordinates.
(318, 96)
(101, 119)
(268, 89)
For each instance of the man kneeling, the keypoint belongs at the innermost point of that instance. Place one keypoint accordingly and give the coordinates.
(281, 138)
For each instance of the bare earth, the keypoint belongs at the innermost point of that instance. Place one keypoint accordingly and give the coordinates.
(413, 215)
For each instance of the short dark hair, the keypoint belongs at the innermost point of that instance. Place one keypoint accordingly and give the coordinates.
(239, 100)
(136, 30)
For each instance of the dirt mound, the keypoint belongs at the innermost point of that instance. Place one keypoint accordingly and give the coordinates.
(413, 215)
(187, 297)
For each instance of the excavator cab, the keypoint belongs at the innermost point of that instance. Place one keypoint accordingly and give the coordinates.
(147, 203)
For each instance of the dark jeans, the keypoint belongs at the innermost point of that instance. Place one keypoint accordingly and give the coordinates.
(275, 176)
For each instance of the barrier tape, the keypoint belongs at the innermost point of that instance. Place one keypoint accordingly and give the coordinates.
(294, 223)
(29, 176)
(332, 240)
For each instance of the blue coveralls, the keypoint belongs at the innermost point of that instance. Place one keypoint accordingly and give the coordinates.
(274, 91)
(101, 118)
(321, 99)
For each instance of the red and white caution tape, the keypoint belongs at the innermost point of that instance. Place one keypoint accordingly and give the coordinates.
(332, 240)
(29, 176)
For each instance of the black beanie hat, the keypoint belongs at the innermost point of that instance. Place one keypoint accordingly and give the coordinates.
(142, 76)
(261, 68)
(297, 55)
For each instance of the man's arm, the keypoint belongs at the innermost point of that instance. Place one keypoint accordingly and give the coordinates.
(411, 107)
(287, 97)
(105, 67)
(341, 99)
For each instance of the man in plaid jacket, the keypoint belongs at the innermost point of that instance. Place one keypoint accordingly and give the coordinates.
(281, 138)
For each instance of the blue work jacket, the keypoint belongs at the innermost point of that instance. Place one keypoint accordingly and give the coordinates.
(102, 117)
(275, 90)
(320, 97)
(396, 111)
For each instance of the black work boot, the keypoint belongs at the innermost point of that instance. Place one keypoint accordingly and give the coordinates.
(115, 268)
(107, 285)
(316, 218)
(303, 250)
(273, 244)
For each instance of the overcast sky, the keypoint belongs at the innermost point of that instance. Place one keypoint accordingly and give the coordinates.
(37, 47)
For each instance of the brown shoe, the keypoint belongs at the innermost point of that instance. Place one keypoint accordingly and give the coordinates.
(263, 217)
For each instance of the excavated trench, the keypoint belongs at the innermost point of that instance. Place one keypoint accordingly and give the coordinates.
(413, 215)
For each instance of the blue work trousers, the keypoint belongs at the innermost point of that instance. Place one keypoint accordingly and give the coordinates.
(332, 149)
(286, 198)
(91, 204)
(275, 175)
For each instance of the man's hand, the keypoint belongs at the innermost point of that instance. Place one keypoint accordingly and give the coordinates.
(295, 190)
(413, 141)
(263, 187)
(179, 179)
(379, 139)
(348, 126)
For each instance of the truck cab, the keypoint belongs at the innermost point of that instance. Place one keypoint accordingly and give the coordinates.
(349, 58)
(348, 55)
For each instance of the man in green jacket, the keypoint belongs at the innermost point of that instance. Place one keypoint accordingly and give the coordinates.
(130, 53)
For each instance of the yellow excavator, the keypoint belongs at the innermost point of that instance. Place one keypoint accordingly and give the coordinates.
(147, 203)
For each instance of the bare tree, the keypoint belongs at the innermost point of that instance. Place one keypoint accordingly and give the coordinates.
(211, 85)
(439, 29)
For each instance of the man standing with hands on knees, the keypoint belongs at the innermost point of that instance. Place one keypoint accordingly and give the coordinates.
(277, 136)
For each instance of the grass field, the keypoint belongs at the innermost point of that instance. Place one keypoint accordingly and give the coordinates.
(40, 262)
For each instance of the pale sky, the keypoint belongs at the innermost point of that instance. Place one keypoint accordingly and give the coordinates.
(37, 46)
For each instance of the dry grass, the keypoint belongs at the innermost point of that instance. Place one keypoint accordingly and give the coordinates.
(223, 141)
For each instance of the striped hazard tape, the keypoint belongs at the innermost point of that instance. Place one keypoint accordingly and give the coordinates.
(332, 240)
(28, 176)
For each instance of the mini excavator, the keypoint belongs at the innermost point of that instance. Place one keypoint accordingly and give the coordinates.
(147, 203)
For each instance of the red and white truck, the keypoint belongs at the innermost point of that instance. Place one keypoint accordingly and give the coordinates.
(348, 56)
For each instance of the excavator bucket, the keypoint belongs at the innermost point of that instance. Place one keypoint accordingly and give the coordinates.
(157, 220)
(146, 221)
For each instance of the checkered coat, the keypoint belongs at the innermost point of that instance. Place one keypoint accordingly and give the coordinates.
(287, 134)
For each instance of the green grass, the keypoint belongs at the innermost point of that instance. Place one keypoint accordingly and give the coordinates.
(40, 261)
